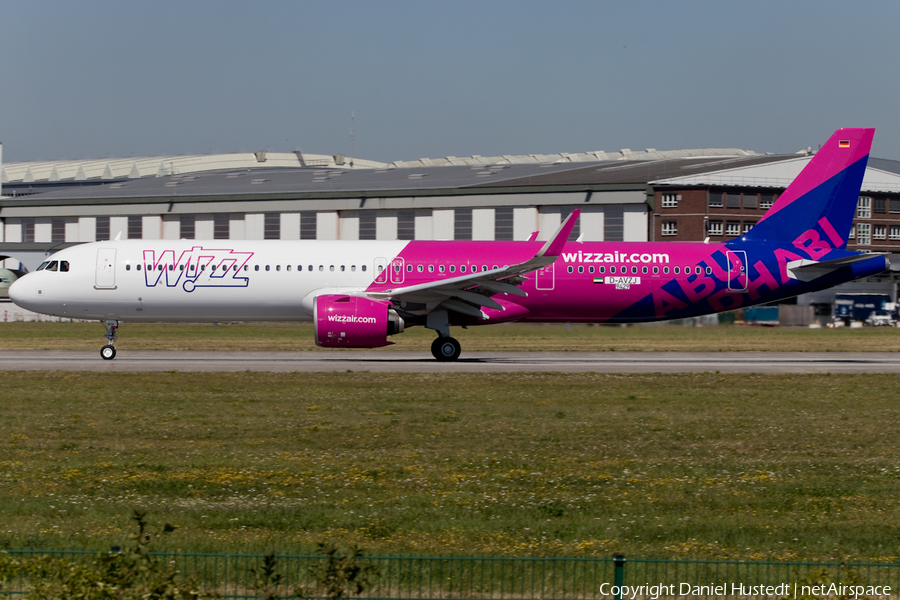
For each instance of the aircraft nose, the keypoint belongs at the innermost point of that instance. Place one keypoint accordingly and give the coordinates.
(20, 292)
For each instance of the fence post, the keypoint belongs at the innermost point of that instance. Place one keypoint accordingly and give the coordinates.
(619, 574)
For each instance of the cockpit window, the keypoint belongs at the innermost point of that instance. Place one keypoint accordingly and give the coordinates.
(53, 265)
(43, 265)
(64, 266)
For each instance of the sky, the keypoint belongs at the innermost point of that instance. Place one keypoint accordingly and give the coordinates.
(97, 79)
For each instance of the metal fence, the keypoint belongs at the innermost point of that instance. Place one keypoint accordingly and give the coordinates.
(450, 578)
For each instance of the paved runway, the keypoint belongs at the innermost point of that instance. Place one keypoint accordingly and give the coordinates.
(470, 362)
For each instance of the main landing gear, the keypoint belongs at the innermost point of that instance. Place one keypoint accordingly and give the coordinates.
(108, 352)
(445, 349)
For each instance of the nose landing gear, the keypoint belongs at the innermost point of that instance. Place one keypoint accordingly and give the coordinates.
(108, 352)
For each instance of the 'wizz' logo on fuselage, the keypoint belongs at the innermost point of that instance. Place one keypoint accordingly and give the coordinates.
(197, 267)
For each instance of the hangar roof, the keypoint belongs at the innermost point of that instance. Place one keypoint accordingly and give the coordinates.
(160, 166)
(274, 181)
(337, 182)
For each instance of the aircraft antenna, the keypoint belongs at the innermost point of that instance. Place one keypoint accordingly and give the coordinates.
(352, 149)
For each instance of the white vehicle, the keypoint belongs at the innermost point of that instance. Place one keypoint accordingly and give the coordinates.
(881, 318)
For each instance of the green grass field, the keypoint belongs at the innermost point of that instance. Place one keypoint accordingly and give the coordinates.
(510, 337)
(663, 466)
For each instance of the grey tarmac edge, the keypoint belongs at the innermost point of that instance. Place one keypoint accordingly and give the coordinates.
(470, 362)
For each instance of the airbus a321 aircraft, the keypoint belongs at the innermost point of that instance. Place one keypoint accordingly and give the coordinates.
(359, 293)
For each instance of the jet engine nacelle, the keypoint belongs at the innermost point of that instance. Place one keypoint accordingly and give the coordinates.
(343, 321)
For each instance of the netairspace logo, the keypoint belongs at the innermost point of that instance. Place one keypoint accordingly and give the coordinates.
(783, 590)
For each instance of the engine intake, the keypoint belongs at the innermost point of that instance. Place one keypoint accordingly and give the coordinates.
(343, 321)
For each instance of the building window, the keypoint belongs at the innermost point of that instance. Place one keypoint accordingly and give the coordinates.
(101, 233)
(766, 201)
(732, 200)
(895, 232)
(748, 226)
(462, 224)
(503, 223)
(715, 199)
(864, 208)
(614, 223)
(187, 227)
(221, 227)
(28, 230)
(895, 205)
(670, 200)
(878, 232)
(751, 200)
(308, 225)
(852, 234)
(135, 227)
(715, 228)
(272, 226)
(406, 224)
(670, 228)
(863, 234)
(58, 231)
(879, 205)
(733, 228)
(367, 229)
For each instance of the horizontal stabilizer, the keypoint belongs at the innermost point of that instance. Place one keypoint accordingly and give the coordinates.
(808, 270)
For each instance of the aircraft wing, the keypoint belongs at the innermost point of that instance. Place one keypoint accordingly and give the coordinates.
(468, 294)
